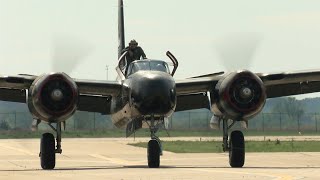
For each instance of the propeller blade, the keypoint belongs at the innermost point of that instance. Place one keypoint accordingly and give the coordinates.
(236, 50)
(68, 52)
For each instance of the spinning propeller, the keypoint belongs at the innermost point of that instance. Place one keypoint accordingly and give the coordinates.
(237, 50)
(68, 52)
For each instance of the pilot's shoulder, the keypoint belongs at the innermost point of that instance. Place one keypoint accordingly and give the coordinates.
(140, 48)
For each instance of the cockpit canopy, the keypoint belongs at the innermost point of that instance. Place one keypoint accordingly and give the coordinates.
(148, 65)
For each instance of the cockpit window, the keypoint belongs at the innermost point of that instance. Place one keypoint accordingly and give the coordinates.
(148, 66)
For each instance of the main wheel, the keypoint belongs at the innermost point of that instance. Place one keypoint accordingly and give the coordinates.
(153, 154)
(236, 149)
(47, 151)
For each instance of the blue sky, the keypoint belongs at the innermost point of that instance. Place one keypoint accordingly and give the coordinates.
(288, 33)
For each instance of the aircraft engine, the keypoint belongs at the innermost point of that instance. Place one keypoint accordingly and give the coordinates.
(240, 95)
(53, 97)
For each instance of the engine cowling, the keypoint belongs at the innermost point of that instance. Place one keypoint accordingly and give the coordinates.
(53, 97)
(240, 95)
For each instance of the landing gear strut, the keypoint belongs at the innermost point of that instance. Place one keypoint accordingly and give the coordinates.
(154, 146)
(235, 146)
(47, 148)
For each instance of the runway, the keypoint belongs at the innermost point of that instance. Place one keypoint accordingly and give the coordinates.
(111, 158)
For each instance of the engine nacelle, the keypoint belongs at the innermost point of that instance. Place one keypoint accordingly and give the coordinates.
(53, 97)
(240, 95)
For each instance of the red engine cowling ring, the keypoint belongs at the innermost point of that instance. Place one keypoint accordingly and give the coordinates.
(53, 97)
(241, 95)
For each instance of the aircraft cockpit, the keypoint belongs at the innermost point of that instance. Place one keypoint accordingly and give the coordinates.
(147, 65)
(124, 70)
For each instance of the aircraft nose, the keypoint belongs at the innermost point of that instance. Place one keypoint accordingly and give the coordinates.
(154, 94)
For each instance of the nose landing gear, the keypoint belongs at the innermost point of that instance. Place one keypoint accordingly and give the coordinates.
(154, 146)
(154, 151)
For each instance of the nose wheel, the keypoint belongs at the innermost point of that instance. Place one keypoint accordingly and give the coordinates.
(153, 154)
(154, 146)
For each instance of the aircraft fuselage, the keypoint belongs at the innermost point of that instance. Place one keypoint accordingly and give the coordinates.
(145, 94)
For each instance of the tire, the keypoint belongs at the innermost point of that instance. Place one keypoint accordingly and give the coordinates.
(236, 149)
(153, 154)
(47, 151)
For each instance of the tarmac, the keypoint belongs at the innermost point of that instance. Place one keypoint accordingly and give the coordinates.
(112, 158)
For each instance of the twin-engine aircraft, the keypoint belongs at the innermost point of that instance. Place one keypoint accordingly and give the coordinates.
(146, 94)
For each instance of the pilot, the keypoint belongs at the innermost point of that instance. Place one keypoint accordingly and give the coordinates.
(135, 52)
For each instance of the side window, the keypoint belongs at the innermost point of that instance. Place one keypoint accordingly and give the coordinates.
(160, 67)
(167, 67)
(137, 66)
(130, 69)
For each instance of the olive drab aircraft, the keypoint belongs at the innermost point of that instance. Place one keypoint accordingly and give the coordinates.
(145, 94)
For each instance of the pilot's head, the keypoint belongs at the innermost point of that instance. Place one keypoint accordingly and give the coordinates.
(133, 44)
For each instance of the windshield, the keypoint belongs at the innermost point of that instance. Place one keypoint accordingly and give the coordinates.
(148, 66)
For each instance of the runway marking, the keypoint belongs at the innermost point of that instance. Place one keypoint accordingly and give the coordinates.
(277, 176)
(60, 160)
(112, 160)
(18, 165)
(17, 149)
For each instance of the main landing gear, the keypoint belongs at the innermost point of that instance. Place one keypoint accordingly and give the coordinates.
(235, 146)
(154, 146)
(47, 148)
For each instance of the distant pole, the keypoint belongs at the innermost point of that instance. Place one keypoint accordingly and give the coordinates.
(208, 116)
(107, 73)
(94, 121)
(280, 122)
(189, 120)
(263, 122)
(15, 119)
(316, 119)
(298, 123)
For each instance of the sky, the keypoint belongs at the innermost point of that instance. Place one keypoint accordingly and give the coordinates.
(281, 35)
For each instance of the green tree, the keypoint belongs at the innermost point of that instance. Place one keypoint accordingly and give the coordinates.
(83, 120)
(4, 125)
(290, 106)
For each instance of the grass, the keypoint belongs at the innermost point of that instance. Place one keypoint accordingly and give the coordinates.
(187, 146)
(251, 146)
(218, 133)
(65, 134)
(15, 134)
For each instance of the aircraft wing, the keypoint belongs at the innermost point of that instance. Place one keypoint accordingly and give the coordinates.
(191, 93)
(95, 96)
(291, 83)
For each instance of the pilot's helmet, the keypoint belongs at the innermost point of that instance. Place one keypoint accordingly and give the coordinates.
(133, 43)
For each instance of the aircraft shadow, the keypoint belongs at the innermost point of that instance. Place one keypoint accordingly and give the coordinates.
(89, 168)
